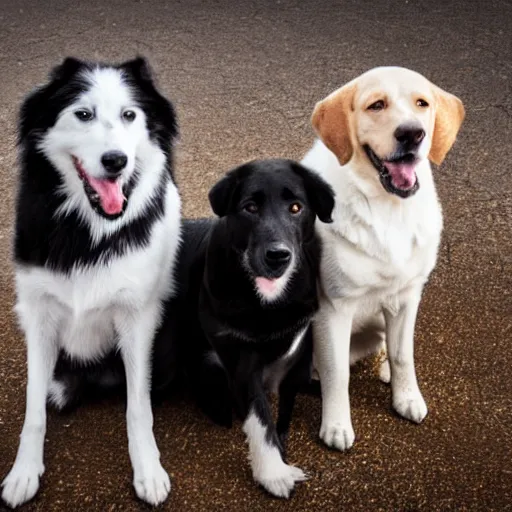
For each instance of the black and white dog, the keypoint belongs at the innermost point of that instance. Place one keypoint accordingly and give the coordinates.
(97, 232)
(251, 282)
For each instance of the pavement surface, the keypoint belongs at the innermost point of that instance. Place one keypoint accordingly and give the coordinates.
(244, 77)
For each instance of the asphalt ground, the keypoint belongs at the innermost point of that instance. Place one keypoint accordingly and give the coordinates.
(244, 77)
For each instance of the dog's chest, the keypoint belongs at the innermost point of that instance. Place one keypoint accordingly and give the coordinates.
(378, 262)
(275, 372)
(86, 304)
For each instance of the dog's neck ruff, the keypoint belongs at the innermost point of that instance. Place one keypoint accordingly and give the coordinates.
(55, 234)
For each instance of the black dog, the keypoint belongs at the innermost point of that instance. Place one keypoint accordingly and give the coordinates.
(250, 279)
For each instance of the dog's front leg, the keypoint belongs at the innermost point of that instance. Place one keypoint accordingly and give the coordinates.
(22, 483)
(299, 374)
(331, 334)
(407, 398)
(268, 466)
(150, 480)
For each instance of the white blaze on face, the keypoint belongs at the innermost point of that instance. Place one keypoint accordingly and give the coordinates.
(75, 146)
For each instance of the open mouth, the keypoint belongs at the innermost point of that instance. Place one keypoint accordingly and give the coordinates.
(106, 195)
(397, 174)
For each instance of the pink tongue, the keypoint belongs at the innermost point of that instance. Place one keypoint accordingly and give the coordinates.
(266, 286)
(111, 195)
(402, 174)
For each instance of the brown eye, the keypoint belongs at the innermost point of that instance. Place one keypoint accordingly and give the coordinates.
(295, 208)
(376, 106)
(422, 103)
(251, 208)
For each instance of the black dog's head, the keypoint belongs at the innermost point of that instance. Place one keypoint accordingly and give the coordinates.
(270, 208)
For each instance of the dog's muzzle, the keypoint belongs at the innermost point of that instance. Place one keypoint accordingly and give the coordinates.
(269, 261)
(397, 173)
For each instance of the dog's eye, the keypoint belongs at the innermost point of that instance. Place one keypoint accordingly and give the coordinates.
(295, 208)
(84, 115)
(129, 115)
(376, 106)
(421, 103)
(251, 208)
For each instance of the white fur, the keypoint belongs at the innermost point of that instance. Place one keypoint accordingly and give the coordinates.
(57, 394)
(377, 255)
(88, 141)
(212, 358)
(88, 311)
(274, 373)
(268, 467)
(295, 345)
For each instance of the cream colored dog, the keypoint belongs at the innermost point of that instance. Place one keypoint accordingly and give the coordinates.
(377, 135)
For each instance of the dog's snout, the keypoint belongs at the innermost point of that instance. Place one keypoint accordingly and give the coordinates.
(114, 161)
(277, 257)
(410, 136)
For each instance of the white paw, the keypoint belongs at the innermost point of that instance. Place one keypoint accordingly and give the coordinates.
(338, 435)
(411, 406)
(22, 483)
(385, 372)
(152, 483)
(280, 479)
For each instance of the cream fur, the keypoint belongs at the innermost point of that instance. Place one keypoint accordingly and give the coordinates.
(380, 249)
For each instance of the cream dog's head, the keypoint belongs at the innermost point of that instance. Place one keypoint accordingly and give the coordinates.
(389, 119)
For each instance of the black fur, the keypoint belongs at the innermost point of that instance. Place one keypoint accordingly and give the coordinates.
(221, 312)
(60, 244)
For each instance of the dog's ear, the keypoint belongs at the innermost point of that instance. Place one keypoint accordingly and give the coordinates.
(35, 111)
(449, 116)
(140, 68)
(159, 110)
(331, 121)
(222, 193)
(320, 193)
(67, 69)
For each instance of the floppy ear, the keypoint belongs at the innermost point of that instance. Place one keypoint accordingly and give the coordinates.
(449, 116)
(319, 192)
(221, 194)
(331, 121)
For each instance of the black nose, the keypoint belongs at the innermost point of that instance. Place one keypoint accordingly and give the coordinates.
(409, 136)
(114, 162)
(277, 258)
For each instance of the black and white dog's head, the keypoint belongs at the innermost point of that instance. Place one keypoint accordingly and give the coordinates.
(101, 127)
(270, 208)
